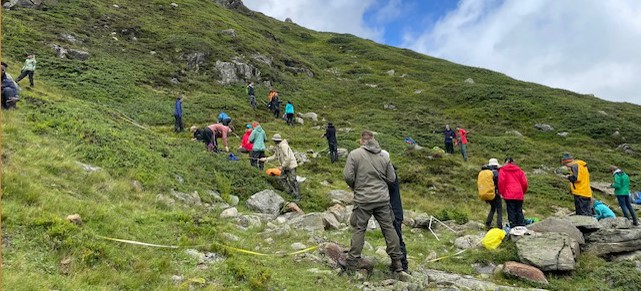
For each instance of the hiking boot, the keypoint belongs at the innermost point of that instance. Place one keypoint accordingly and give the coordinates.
(396, 266)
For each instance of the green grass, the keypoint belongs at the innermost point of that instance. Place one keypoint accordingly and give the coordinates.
(115, 111)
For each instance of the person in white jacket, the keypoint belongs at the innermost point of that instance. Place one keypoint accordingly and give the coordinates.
(285, 156)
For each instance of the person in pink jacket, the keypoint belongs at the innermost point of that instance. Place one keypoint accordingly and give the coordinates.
(512, 188)
(221, 131)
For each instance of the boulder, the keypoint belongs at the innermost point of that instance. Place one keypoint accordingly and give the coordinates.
(615, 222)
(292, 207)
(344, 197)
(563, 134)
(194, 60)
(192, 199)
(75, 219)
(613, 241)
(339, 211)
(469, 81)
(173, 5)
(266, 201)
(235, 71)
(78, 54)
(514, 132)
(268, 60)
(299, 120)
(234, 200)
(229, 213)
(584, 223)
(229, 32)
(543, 127)
(308, 222)
(449, 281)
(484, 268)
(626, 148)
(309, 115)
(525, 272)
(389, 107)
(68, 37)
(330, 221)
(548, 251)
(391, 72)
(34, 4)
(249, 221)
(467, 242)
(289, 20)
(342, 152)
(554, 224)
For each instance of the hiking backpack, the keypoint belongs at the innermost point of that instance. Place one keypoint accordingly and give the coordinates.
(486, 186)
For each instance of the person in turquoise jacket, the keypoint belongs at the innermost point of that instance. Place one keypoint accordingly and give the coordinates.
(602, 211)
(289, 112)
(28, 69)
(257, 137)
(621, 187)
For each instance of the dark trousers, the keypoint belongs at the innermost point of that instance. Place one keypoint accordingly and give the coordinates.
(24, 74)
(290, 119)
(254, 160)
(397, 227)
(515, 212)
(333, 151)
(583, 205)
(288, 181)
(626, 206)
(449, 147)
(8, 98)
(276, 112)
(496, 206)
(382, 212)
(178, 123)
(226, 121)
(252, 101)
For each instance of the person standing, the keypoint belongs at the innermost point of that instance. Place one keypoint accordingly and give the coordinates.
(251, 94)
(330, 134)
(289, 111)
(257, 137)
(29, 69)
(621, 185)
(178, 115)
(224, 119)
(450, 136)
(512, 187)
(496, 204)
(285, 156)
(579, 184)
(276, 106)
(462, 141)
(368, 174)
(397, 210)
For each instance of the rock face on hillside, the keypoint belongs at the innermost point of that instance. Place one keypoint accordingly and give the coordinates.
(70, 53)
(36, 4)
(234, 5)
(236, 71)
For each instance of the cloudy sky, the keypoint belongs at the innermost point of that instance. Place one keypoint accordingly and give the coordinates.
(587, 46)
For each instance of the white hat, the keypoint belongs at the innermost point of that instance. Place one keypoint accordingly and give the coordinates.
(493, 162)
(277, 137)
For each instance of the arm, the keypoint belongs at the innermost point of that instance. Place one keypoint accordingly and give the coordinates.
(252, 136)
(349, 173)
(617, 182)
(598, 214)
(523, 182)
(390, 174)
(501, 182)
(224, 132)
(288, 157)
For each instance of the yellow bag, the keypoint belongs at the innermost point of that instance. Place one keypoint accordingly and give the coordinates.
(493, 238)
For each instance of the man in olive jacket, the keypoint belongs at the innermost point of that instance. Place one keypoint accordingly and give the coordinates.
(368, 173)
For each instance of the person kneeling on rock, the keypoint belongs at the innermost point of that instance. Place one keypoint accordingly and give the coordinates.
(602, 211)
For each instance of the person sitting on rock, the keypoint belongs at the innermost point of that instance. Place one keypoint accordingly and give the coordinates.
(602, 211)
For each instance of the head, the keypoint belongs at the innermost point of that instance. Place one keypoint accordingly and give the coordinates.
(255, 124)
(613, 168)
(193, 128)
(566, 159)
(277, 138)
(493, 163)
(250, 83)
(508, 160)
(447, 127)
(329, 124)
(180, 97)
(248, 126)
(289, 102)
(366, 136)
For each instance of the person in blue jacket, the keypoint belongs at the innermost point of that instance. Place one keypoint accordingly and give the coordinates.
(224, 118)
(450, 136)
(397, 209)
(179, 126)
(602, 211)
(289, 112)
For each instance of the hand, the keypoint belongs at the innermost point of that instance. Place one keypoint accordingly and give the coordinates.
(280, 169)
(262, 159)
(226, 148)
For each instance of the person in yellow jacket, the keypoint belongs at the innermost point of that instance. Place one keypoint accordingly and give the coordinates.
(579, 184)
(285, 156)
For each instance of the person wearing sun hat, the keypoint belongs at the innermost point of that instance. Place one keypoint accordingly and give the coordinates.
(496, 204)
(285, 156)
(579, 184)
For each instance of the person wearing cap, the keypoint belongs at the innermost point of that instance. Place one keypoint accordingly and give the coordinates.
(621, 185)
(206, 135)
(245, 145)
(579, 184)
(257, 138)
(397, 210)
(368, 174)
(512, 187)
(330, 134)
(462, 141)
(178, 114)
(285, 156)
(28, 69)
(221, 131)
(496, 205)
(224, 119)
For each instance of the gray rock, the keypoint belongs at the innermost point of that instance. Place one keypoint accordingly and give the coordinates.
(215, 196)
(174, 81)
(71, 53)
(391, 72)
(448, 280)
(484, 268)
(287, 217)
(266, 201)
(176, 280)
(418, 91)
(289, 20)
(300, 70)
(339, 211)
(548, 251)
(229, 32)
(372, 224)
(194, 60)
(633, 256)
(543, 127)
(330, 221)
(371, 85)
(602, 187)
(467, 242)
(179, 179)
(192, 199)
(229, 213)
(308, 222)
(232, 72)
(554, 224)
(514, 132)
(230, 237)
(68, 37)
(615, 222)
(299, 120)
(88, 168)
(309, 115)
(342, 152)
(34, 4)
(137, 186)
(165, 200)
(469, 81)
(389, 107)
(249, 220)
(268, 60)
(234, 200)
(584, 223)
(298, 246)
(173, 5)
(626, 148)
(613, 241)
(602, 112)
(616, 134)
(206, 258)
(345, 197)
(563, 134)
(301, 158)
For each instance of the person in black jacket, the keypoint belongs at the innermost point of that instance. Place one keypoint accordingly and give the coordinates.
(450, 136)
(397, 209)
(330, 134)
(251, 95)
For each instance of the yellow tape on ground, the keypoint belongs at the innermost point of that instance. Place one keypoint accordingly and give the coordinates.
(238, 250)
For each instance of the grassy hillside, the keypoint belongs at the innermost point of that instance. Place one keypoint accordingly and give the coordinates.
(114, 111)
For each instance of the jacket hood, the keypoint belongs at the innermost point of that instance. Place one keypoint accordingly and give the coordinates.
(616, 171)
(597, 202)
(284, 142)
(510, 167)
(372, 146)
(258, 129)
(580, 163)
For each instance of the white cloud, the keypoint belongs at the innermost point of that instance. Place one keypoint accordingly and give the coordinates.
(588, 46)
(344, 16)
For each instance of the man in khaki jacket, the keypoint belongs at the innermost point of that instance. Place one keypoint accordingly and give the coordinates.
(285, 156)
(368, 173)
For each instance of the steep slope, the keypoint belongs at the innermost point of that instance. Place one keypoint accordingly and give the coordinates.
(114, 110)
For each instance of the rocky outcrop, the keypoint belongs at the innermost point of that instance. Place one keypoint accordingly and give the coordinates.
(266, 201)
(467, 242)
(308, 222)
(342, 196)
(234, 5)
(524, 272)
(236, 71)
(584, 223)
(309, 115)
(34, 4)
(613, 241)
(603, 187)
(543, 127)
(229, 32)
(194, 60)
(70, 53)
(548, 251)
(554, 224)
(626, 148)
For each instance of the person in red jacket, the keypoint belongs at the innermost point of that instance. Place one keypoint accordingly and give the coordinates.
(512, 187)
(245, 145)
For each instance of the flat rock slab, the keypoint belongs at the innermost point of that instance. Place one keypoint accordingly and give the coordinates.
(554, 224)
(584, 223)
(613, 241)
(548, 251)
